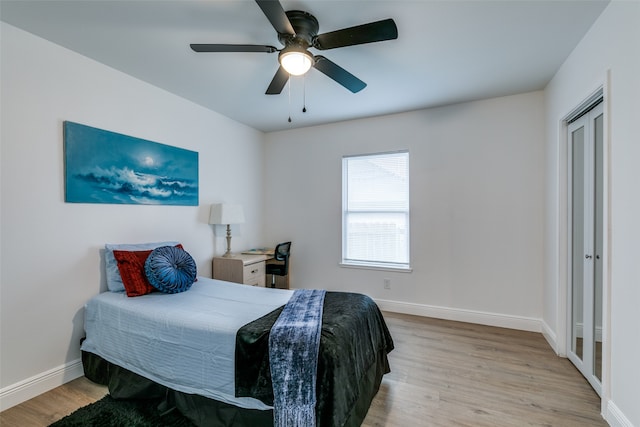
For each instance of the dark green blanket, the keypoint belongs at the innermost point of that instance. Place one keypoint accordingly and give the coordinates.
(351, 361)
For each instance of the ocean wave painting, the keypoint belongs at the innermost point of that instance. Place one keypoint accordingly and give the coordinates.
(108, 167)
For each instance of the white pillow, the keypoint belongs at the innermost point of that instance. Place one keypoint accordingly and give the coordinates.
(114, 281)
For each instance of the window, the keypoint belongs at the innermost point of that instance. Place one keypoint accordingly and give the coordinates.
(375, 210)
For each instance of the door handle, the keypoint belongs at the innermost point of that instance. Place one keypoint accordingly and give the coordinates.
(588, 256)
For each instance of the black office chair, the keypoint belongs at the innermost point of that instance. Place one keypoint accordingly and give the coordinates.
(281, 254)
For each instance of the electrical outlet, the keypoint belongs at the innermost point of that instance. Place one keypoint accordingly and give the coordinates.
(387, 283)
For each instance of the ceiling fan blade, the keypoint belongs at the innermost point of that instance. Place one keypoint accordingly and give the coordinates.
(275, 14)
(339, 74)
(232, 48)
(367, 33)
(278, 82)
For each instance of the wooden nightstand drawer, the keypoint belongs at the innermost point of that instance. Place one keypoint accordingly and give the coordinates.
(246, 269)
(254, 274)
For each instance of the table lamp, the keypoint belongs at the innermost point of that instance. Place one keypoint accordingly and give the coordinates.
(223, 213)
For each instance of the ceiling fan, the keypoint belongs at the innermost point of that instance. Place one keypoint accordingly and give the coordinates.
(298, 31)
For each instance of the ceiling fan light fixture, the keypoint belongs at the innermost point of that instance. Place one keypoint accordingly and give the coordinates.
(295, 61)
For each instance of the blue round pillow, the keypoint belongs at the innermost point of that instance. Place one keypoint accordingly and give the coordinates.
(170, 269)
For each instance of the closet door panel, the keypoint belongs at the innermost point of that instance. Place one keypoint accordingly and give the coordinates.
(585, 296)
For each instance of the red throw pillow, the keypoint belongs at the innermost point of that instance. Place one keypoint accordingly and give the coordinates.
(131, 267)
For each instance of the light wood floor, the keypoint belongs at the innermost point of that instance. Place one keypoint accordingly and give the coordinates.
(443, 373)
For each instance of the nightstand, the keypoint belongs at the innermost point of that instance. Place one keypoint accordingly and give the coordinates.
(241, 268)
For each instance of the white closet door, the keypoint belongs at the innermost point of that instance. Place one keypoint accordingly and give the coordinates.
(585, 299)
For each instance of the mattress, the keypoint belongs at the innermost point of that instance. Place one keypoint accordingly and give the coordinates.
(183, 341)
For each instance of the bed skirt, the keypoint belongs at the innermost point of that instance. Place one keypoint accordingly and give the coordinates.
(203, 411)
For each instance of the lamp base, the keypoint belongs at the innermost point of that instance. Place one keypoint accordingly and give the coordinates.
(228, 254)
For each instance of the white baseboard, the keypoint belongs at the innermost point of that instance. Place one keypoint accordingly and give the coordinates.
(461, 315)
(615, 417)
(31, 387)
(551, 337)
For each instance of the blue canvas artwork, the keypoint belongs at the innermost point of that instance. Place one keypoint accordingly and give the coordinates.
(108, 167)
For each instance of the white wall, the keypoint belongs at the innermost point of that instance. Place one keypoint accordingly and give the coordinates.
(611, 46)
(51, 263)
(476, 173)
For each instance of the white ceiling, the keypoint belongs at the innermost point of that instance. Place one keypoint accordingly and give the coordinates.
(446, 52)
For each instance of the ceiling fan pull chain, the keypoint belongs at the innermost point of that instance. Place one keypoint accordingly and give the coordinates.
(289, 84)
(304, 93)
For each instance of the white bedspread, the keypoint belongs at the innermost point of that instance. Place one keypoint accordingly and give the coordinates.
(184, 341)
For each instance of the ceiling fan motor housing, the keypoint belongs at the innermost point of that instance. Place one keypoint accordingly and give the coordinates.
(305, 26)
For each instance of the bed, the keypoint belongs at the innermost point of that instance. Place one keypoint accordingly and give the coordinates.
(206, 351)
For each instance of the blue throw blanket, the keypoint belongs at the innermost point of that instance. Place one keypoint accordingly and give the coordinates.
(293, 353)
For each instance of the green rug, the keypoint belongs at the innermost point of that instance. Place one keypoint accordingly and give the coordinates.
(109, 412)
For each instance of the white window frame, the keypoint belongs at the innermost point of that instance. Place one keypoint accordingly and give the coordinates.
(374, 264)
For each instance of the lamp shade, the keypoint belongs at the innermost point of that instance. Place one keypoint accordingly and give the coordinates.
(223, 213)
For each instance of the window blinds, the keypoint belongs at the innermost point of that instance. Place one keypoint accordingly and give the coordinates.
(376, 209)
